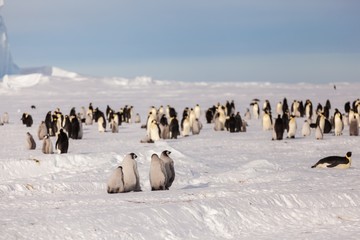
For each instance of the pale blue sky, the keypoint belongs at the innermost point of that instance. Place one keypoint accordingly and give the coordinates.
(190, 40)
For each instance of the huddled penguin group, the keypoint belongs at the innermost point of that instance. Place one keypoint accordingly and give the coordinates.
(125, 177)
(163, 123)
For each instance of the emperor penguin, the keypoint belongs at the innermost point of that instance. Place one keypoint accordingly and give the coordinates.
(278, 129)
(89, 118)
(30, 142)
(292, 127)
(114, 126)
(334, 162)
(185, 126)
(247, 114)
(267, 106)
(27, 119)
(62, 142)
(192, 117)
(295, 108)
(209, 115)
(130, 173)
(353, 127)
(305, 130)
(115, 183)
(154, 131)
(256, 110)
(196, 127)
(160, 112)
(137, 118)
(164, 127)
(338, 122)
(150, 118)
(157, 173)
(219, 126)
(5, 118)
(174, 128)
(238, 122)
(319, 133)
(279, 110)
(197, 111)
(47, 146)
(75, 127)
(169, 167)
(222, 116)
(42, 130)
(101, 124)
(267, 121)
(308, 109)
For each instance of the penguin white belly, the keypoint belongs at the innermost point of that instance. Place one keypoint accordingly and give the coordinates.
(343, 166)
(154, 133)
(186, 128)
(292, 128)
(267, 122)
(306, 131)
(101, 124)
(338, 126)
(319, 133)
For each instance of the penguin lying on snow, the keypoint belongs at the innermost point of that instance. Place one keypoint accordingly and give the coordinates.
(334, 162)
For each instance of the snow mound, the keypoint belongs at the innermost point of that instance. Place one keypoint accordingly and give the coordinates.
(22, 81)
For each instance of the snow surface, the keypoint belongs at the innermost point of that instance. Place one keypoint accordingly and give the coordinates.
(227, 185)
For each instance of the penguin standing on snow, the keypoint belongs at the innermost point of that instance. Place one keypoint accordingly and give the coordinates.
(185, 125)
(174, 128)
(114, 126)
(256, 109)
(292, 127)
(157, 173)
(42, 130)
(47, 146)
(27, 119)
(62, 142)
(267, 121)
(334, 162)
(319, 133)
(137, 118)
(169, 167)
(130, 172)
(354, 127)
(116, 181)
(5, 118)
(196, 126)
(338, 122)
(278, 128)
(30, 142)
(305, 130)
(101, 123)
(154, 131)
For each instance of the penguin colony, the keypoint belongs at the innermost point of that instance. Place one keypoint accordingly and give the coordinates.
(163, 123)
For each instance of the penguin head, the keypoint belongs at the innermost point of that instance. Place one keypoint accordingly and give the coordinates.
(166, 152)
(133, 155)
(348, 154)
